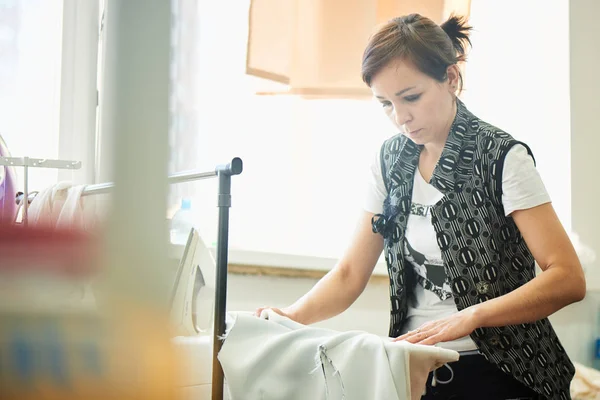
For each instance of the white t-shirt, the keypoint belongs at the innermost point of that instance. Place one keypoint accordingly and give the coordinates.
(522, 189)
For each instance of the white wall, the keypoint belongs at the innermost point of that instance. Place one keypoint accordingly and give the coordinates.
(585, 137)
(584, 322)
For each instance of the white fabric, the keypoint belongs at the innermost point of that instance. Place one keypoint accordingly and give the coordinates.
(281, 359)
(72, 213)
(194, 377)
(522, 186)
(522, 189)
(195, 356)
(61, 206)
(43, 209)
(586, 383)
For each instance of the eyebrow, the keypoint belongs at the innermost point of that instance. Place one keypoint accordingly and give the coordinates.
(400, 92)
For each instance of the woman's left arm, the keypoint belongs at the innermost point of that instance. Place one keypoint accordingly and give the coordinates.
(561, 283)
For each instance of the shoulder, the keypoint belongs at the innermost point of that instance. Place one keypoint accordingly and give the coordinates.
(487, 133)
(492, 140)
(394, 144)
(519, 155)
(393, 150)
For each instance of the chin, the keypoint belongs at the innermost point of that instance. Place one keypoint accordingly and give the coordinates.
(416, 140)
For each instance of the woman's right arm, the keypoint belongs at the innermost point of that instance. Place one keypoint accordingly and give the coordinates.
(341, 286)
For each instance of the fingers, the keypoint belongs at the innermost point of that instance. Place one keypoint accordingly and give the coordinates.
(417, 337)
(412, 336)
(260, 310)
(419, 331)
(420, 336)
(403, 337)
(431, 340)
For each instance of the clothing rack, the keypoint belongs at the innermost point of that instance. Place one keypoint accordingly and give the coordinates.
(224, 173)
(180, 177)
(26, 163)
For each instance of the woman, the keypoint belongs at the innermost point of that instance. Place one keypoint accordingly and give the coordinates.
(462, 215)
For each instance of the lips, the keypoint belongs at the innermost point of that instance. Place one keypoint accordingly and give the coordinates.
(414, 132)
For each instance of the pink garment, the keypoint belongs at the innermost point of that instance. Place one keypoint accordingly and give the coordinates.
(8, 188)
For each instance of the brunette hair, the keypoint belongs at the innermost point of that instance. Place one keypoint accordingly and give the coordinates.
(432, 48)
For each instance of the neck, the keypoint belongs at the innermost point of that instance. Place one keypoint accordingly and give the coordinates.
(435, 148)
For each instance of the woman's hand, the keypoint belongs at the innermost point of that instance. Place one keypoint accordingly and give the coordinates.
(446, 329)
(342, 285)
(284, 312)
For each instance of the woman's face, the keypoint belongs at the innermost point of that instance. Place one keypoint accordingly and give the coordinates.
(420, 106)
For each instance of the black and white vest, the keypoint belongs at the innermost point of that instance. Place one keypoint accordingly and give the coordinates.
(484, 253)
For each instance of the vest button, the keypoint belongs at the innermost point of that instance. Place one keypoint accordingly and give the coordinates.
(482, 287)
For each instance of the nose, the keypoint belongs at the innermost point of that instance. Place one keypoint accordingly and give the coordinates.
(401, 117)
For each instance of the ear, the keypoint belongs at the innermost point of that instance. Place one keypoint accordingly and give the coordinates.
(453, 74)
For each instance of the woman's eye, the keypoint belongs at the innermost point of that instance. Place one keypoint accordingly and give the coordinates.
(412, 98)
(386, 104)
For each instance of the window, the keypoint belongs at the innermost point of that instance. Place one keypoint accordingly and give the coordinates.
(48, 84)
(305, 160)
(518, 80)
(30, 45)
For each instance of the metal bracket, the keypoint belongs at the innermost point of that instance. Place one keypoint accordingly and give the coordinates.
(27, 163)
(39, 163)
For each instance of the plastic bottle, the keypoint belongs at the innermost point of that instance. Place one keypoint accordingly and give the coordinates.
(182, 223)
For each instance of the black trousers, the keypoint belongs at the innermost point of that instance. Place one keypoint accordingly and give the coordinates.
(472, 377)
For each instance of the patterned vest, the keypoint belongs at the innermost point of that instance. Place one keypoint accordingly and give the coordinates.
(484, 253)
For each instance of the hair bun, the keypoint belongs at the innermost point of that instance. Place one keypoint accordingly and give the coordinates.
(457, 29)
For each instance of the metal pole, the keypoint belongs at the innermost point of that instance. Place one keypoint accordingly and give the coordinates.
(224, 203)
(180, 177)
(187, 176)
(25, 190)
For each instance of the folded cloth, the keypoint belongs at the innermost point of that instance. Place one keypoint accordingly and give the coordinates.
(276, 358)
(586, 383)
(71, 213)
(61, 206)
